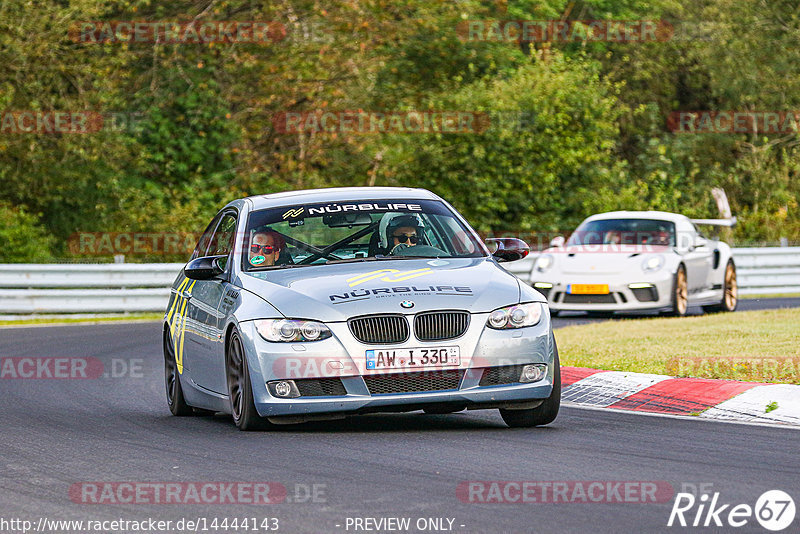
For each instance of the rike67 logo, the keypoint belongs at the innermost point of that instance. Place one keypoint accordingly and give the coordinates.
(774, 510)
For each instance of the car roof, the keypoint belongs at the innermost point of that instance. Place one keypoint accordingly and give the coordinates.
(655, 215)
(338, 194)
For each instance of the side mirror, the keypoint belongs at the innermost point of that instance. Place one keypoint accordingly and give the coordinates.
(557, 242)
(205, 268)
(699, 242)
(507, 249)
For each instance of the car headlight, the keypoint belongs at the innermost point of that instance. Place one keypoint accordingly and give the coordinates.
(544, 262)
(517, 316)
(653, 263)
(286, 330)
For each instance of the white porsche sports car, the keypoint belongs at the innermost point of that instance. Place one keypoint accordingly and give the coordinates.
(638, 260)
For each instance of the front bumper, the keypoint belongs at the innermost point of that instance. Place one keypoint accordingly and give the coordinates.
(625, 293)
(341, 357)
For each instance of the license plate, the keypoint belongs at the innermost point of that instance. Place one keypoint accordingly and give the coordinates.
(412, 358)
(587, 289)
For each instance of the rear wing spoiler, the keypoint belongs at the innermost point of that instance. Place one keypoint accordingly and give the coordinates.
(730, 223)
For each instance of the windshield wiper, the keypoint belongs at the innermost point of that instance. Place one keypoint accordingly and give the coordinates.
(379, 257)
(406, 257)
(351, 260)
(282, 266)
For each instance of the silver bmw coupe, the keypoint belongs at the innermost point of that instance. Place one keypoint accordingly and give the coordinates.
(326, 303)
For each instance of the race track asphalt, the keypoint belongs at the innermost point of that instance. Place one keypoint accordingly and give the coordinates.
(56, 433)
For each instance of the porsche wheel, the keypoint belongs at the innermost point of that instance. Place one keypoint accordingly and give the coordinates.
(543, 414)
(177, 404)
(680, 293)
(240, 391)
(730, 292)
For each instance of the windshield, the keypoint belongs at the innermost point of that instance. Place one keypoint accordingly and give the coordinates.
(624, 232)
(313, 234)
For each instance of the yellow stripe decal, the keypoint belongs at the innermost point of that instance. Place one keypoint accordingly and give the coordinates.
(179, 355)
(388, 275)
(366, 277)
(399, 277)
(171, 313)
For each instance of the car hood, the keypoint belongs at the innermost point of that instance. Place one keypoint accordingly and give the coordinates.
(333, 293)
(604, 259)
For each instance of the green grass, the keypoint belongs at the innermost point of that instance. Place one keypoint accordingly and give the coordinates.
(83, 320)
(761, 346)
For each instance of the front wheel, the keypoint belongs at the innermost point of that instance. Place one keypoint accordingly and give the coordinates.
(240, 390)
(543, 414)
(172, 380)
(680, 293)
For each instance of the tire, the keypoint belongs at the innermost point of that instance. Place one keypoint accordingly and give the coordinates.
(680, 293)
(172, 381)
(730, 292)
(543, 414)
(240, 391)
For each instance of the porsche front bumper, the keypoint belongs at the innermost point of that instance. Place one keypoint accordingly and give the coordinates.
(652, 292)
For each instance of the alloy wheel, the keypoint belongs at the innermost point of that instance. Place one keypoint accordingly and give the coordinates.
(236, 376)
(731, 288)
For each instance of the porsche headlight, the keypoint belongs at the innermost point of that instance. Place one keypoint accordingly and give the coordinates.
(286, 330)
(544, 262)
(517, 316)
(653, 263)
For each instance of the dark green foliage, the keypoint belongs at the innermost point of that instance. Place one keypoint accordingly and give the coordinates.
(576, 127)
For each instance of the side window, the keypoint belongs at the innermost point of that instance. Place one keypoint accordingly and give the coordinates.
(222, 240)
(205, 239)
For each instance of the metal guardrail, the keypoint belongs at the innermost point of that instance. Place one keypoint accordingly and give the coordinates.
(767, 270)
(121, 288)
(77, 275)
(85, 288)
(759, 271)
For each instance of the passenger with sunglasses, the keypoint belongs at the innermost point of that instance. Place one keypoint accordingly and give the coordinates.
(403, 232)
(265, 248)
